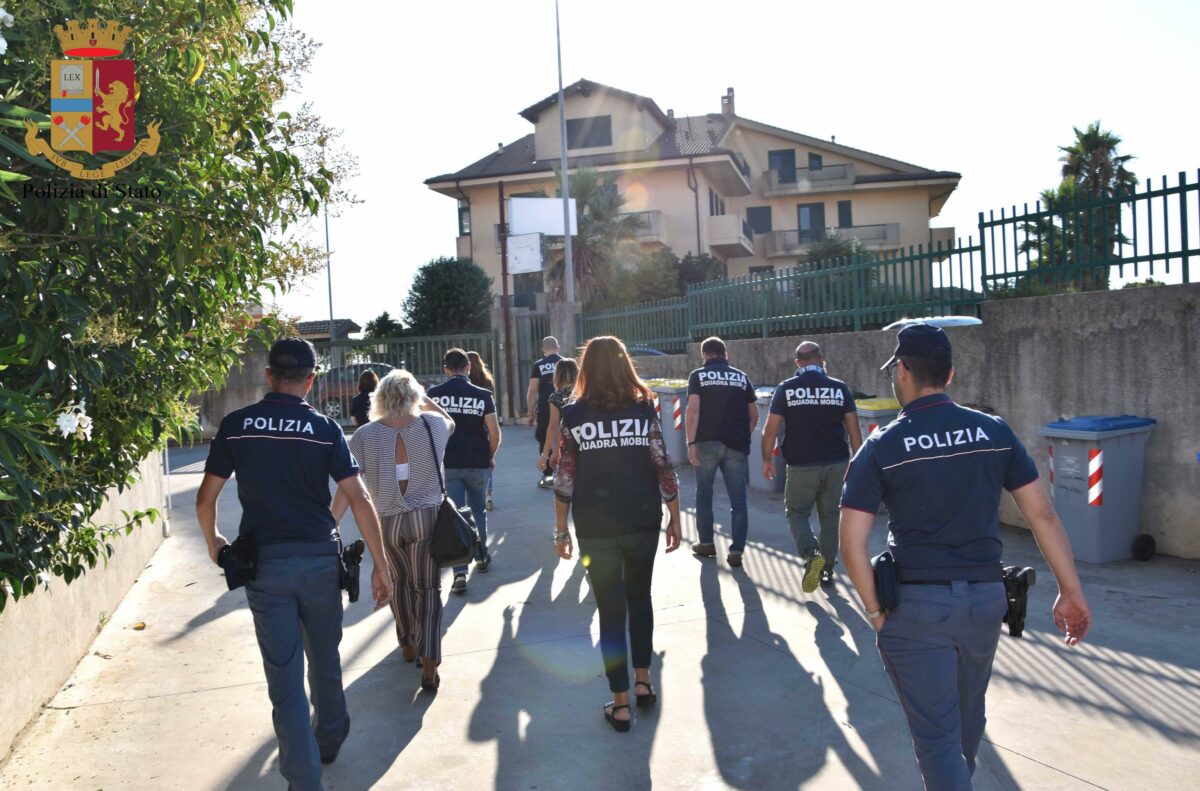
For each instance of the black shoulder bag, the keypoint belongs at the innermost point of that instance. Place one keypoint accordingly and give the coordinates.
(455, 538)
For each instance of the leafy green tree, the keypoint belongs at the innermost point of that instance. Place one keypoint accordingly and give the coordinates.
(449, 295)
(115, 307)
(601, 227)
(383, 326)
(699, 269)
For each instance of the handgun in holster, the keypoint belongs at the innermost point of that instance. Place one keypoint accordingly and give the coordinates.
(239, 560)
(1017, 582)
(351, 565)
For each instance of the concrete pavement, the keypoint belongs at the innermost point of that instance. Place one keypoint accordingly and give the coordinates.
(761, 686)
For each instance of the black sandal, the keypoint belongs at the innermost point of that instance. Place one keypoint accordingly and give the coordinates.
(647, 700)
(620, 726)
(431, 685)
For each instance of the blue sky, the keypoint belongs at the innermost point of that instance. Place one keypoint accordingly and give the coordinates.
(988, 90)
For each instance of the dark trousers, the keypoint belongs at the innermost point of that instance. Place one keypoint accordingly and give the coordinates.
(619, 569)
(938, 646)
(297, 607)
(543, 425)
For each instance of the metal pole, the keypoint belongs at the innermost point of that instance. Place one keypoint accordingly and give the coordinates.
(508, 347)
(329, 280)
(566, 191)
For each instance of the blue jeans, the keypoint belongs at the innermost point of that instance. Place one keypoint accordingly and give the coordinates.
(735, 470)
(297, 604)
(938, 646)
(469, 487)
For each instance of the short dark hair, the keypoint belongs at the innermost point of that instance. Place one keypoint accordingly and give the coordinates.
(456, 359)
(290, 375)
(368, 380)
(713, 346)
(809, 352)
(928, 372)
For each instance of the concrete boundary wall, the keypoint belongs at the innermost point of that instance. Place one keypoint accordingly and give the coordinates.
(1033, 360)
(43, 636)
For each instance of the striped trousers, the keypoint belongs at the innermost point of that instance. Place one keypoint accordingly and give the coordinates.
(417, 581)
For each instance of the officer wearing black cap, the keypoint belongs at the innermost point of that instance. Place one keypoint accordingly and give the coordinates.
(284, 453)
(940, 469)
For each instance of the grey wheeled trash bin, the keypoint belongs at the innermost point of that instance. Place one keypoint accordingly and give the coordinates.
(1096, 465)
(757, 481)
(672, 413)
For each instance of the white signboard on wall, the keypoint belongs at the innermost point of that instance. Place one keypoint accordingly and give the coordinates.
(539, 215)
(525, 252)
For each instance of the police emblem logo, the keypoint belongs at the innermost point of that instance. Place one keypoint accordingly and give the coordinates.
(92, 101)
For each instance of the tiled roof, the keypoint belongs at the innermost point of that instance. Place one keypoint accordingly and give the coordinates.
(320, 329)
(919, 176)
(585, 87)
(692, 136)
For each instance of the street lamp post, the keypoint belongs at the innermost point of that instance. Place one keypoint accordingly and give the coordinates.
(566, 192)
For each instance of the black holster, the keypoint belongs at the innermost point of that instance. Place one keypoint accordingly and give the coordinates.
(239, 560)
(1017, 582)
(887, 581)
(351, 561)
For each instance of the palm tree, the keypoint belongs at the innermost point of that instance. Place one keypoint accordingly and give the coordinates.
(600, 229)
(1080, 236)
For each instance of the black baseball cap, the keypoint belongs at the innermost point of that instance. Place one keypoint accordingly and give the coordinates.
(921, 340)
(290, 354)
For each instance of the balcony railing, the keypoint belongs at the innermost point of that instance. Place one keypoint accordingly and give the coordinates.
(808, 179)
(795, 242)
(652, 226)
(741, 164)
(730, 235)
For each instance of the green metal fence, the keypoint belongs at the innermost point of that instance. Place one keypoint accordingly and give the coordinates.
(1080, 242)
(839, 295)
(1073, 243)
(661, 324)
(343, 362)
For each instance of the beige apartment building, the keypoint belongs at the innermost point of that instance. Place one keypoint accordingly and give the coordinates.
(754, 195)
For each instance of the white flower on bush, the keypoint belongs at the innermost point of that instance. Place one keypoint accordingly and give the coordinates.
(74, 420)
(6, 20)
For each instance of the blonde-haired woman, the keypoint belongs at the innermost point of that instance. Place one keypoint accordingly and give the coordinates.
(400, 452)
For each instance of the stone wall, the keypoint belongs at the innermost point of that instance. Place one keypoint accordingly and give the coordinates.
(1033, 360)
(246, 384)
(43, 636)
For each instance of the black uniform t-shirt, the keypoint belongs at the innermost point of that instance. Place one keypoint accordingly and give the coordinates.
(543, 371)
(284, 453)
(814, 407)
(467, 405)
(724, 392)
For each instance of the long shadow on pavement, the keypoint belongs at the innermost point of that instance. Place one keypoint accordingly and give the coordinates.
(750, 754)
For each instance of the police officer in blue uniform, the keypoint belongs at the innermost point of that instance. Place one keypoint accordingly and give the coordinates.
(284, 453)
(470, 452)
(940, 469)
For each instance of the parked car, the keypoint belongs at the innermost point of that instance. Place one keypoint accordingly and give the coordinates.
(640, 350)
(335, 389)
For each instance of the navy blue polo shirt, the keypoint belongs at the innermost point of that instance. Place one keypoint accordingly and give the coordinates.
(467, 405)
(724, 392)
(543, 371)
(813, 406)
(284, 453)
(940, 469)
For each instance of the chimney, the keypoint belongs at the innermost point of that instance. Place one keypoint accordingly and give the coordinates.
(727, 102)
(671, 114)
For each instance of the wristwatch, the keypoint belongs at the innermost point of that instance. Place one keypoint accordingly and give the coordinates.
(563, 537)
(873, 615)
